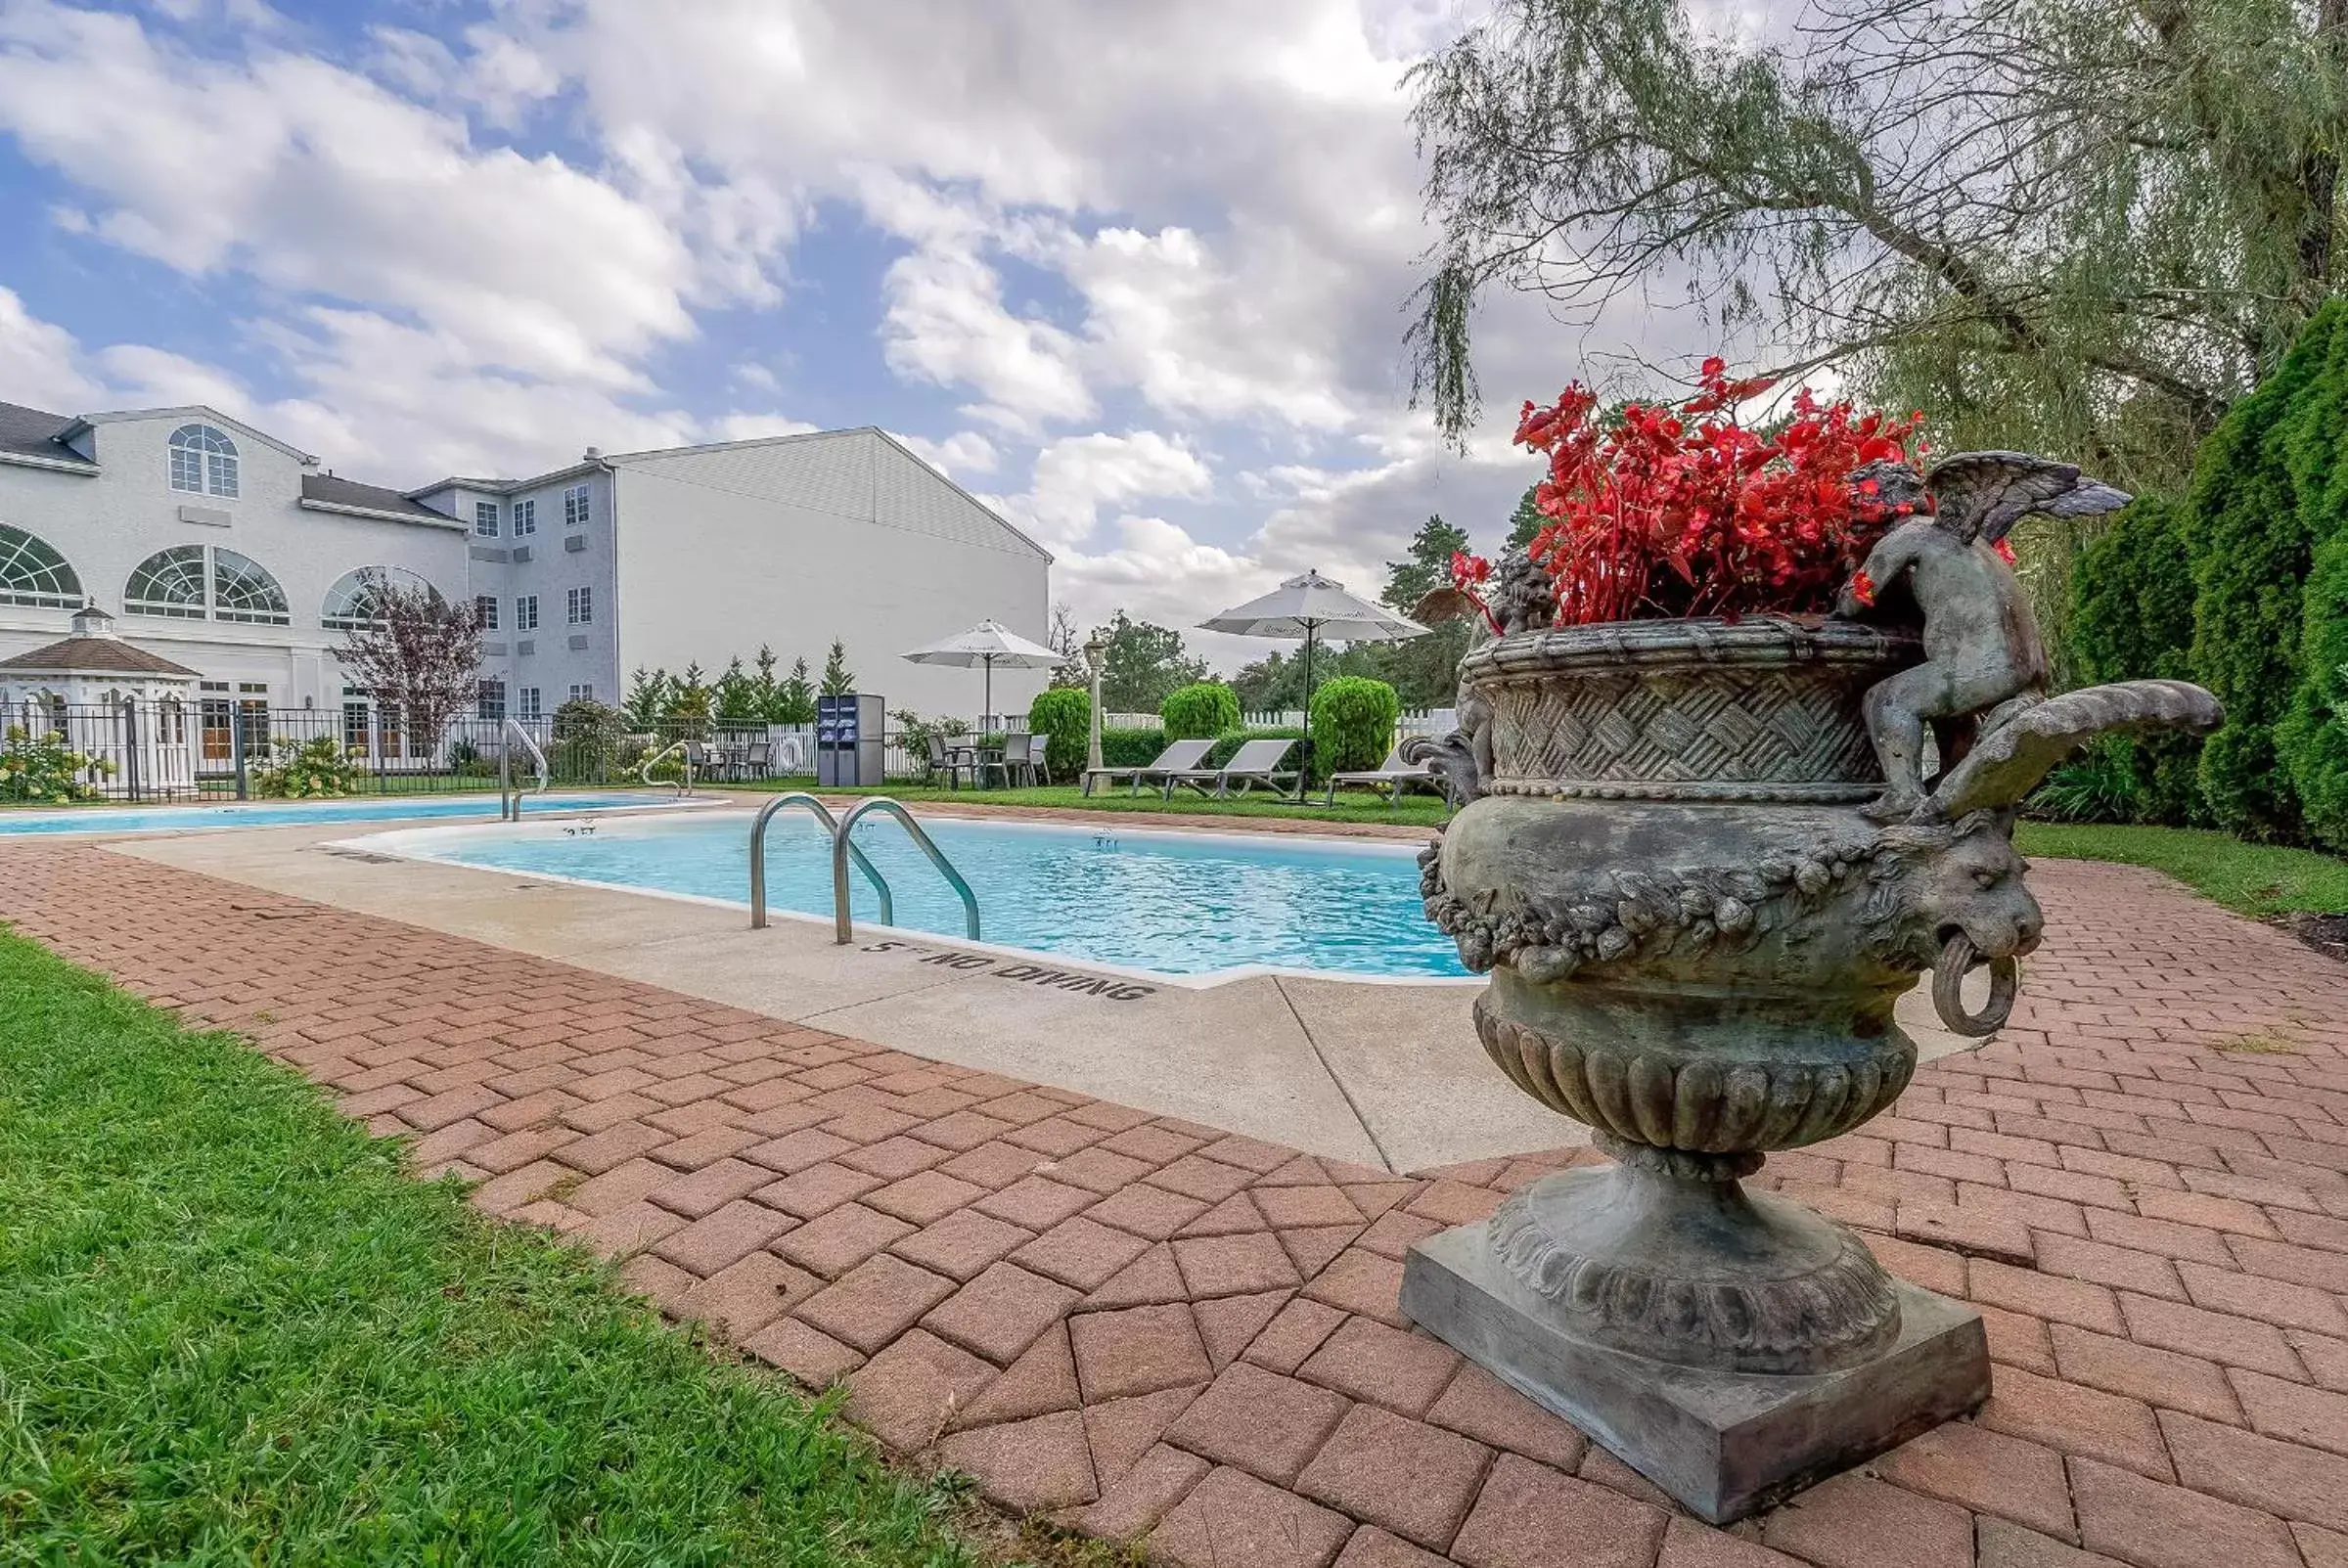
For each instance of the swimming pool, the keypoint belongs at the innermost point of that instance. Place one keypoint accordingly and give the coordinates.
(1190, 904)
(278, 814)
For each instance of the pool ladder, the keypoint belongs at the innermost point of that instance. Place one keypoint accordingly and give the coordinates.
(509, 792)
(844, 849)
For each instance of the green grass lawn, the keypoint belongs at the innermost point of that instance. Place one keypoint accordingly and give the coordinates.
(2255, 879)
(232, 1330)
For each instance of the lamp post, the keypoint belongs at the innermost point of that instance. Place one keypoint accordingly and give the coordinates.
(1096, 654)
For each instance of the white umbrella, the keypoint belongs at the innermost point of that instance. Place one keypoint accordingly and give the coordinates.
(1313, 606)
(984, 646)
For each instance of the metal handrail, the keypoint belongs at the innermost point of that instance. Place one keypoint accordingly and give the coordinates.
(843, 930)
(823, 814)
(509, 794)
(684, 784)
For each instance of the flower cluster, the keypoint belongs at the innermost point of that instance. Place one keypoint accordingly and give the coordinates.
(1667, 510)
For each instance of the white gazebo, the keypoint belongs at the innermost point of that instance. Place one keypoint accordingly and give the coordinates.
(109, 698)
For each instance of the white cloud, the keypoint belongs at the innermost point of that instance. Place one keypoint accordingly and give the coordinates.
(39, 362)
(1077, 475)
(965, 452)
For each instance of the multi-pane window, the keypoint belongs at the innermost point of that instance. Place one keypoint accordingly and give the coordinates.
(203, 461)
(574, 506)
(526, 517)
(485, 611)
(354, 602)
(32, 572)
(526, 704)
(583, 692)
(491, 704)
(525, 612)
(485, 518)
(580, 607)
(169, 582)
(243, 591)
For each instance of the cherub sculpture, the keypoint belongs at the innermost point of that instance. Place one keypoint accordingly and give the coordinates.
(1943, 566)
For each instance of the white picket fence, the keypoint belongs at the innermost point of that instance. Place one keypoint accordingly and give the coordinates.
(1423, 721)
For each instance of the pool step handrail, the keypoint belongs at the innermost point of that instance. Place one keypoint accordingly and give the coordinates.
(509, 794)
(682, 748)
(843, 928)
(830, 825)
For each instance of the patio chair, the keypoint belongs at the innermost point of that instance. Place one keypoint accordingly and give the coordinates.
(950, 761)
(1180, 757)
(1255, 762)
(1392, 777)
(1023, 755)
(757, 759)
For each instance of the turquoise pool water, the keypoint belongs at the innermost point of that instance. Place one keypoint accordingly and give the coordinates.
(1173, 903)
(248, 814)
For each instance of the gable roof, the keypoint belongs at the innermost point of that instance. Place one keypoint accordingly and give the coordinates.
(868, 469)
(101, 655)
(324, 492)
(32, 433)
(192, 411)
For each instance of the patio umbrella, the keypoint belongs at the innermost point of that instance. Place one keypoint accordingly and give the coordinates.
(983, 646)
(1312, 608)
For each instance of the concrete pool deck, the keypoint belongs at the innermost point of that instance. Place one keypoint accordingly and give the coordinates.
(1378, 1073)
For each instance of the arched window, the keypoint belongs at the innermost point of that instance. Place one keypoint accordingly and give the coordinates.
(243, 591)
(33, 574)
(169, 582)
(350, 604)
(203, 461)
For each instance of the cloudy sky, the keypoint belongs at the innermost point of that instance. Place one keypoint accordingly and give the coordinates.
(1134, 274)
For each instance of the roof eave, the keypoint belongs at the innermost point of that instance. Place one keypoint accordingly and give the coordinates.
(380, 515)
(25, 460)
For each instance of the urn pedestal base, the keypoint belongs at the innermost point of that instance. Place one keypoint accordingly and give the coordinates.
(1724, 1444)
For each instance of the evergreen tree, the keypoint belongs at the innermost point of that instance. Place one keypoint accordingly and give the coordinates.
(1427, 570)
(1527, 520)
(736, 696)
(2132, 618)
(688, 695)
(838, 679)
(795, 698)
(764, 687)
(2266, 494)
(647, 701)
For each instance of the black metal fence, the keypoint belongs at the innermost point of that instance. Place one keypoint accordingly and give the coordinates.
(230, 748)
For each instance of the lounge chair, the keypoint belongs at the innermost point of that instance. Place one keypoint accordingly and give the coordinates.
(1255, 762)
(1392, 775)
(1180, 757)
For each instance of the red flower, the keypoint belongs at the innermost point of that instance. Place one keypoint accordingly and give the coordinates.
(1679, 510)
(2005, 550)
(1863, 589)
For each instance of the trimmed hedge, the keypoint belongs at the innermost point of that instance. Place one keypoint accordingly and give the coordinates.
(1130, 748)
(1353, 724)
(2132, 618)
(1201, 710)
(2264, 497)
(2313, 737)
(1064, 717)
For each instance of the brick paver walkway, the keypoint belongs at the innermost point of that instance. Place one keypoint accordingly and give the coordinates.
(1136, 1325)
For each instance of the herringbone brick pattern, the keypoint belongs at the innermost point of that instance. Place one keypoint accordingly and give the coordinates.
(1139, 1325)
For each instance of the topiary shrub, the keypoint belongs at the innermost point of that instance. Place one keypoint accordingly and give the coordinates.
(1353, 724)
(2313, 737)
(2131, 619)
(1199, 711)
(1064, 717)
(2264, 498)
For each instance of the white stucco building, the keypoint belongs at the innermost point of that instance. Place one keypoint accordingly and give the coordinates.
(231, 552)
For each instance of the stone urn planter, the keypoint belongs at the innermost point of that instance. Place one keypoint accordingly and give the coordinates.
(1696, 937)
